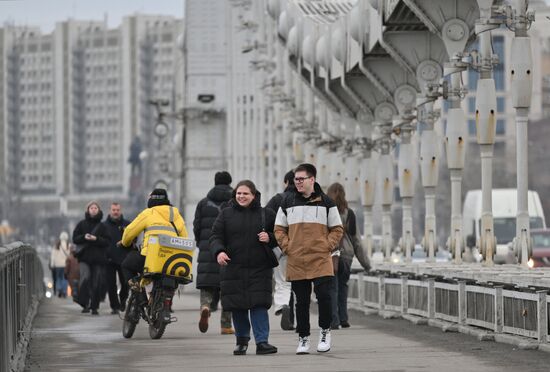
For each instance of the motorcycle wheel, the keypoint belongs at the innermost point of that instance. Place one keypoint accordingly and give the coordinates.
(131, 317)
(156, 330)
(157, 325)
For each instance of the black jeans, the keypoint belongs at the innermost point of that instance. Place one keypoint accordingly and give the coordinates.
(132, 265)
(302, 291)
(339, 292)
(91, 278)
(112, 269)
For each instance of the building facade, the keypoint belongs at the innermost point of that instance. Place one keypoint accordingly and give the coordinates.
(73, 102)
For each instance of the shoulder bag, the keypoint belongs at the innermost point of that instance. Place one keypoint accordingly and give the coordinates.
(271, 257)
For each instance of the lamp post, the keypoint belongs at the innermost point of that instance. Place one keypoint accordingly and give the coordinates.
(167, 163)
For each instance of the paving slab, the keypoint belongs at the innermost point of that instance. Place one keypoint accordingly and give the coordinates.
(63, 339)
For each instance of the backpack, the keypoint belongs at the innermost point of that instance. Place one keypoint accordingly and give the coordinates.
(346, 246)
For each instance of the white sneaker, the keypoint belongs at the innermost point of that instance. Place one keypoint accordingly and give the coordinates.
(303, 345)
(324, 341)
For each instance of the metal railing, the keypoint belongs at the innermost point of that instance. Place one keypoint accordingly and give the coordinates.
(521, 311)
(21, 288)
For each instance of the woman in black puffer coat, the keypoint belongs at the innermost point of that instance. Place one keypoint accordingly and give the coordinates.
(91, 235)
(239, 243)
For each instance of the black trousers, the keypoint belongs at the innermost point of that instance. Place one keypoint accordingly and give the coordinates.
(132, 265)
(91, 282)
(302, 291)
(115, 298)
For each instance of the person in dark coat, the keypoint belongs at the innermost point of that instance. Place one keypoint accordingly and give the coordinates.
(90, 234)
(240, 237)
(208, 270)
(114, 226)
(283, 300)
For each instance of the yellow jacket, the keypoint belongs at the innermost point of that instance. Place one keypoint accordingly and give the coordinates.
(150, 218)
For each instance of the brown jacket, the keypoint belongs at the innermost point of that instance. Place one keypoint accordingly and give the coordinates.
(307, 231)
(72, 271)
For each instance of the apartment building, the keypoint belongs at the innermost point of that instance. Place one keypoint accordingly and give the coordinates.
(72, 103)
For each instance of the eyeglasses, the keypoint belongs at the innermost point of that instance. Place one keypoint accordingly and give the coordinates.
(300, 179)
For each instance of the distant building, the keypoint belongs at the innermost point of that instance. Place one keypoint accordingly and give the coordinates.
(72, 102)
(205, 148)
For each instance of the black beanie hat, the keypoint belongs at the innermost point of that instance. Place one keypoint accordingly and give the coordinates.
(158, 197)
(222, 178)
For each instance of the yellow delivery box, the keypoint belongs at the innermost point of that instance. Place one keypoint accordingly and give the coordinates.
(170, 255)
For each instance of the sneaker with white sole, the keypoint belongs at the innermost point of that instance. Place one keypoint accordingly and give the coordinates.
(324, 341)
(303, 345)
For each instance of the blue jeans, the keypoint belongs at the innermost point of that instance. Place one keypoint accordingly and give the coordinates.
(339, 293)
(60, 281)
(259, 320)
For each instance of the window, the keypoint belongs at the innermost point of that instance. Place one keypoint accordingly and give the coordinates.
(472, 127)
(471, 104)
(501, 104)
(501, 126)
(498, 72)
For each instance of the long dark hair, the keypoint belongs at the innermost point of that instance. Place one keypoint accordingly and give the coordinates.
(248, 184)
(337, 193)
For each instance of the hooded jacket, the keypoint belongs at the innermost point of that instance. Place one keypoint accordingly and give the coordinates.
(307, 231)
(155, 216)
(208, 270)
(93, 251)
(275, 202)
(246, 281)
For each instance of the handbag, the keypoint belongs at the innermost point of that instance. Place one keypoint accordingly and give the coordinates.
(271, 257)
(80, 248)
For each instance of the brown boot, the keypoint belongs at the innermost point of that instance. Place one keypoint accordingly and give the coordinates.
(227, 331)
(203, 322)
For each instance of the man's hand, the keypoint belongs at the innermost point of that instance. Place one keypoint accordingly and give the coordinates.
(223, 259)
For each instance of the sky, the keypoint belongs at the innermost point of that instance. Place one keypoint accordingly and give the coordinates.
(44, 13)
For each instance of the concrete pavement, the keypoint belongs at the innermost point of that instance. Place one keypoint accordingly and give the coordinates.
(63, 339)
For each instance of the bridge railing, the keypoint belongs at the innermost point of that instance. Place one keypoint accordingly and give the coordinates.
(21, 288)
(499, 308)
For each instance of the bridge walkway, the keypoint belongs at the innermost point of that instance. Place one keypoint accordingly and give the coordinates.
(63, 339)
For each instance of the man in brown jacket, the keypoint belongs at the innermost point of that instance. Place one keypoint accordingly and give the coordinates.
(308, 228)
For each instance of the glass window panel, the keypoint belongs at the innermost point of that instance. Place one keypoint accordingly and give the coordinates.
(501, 104)
(501, 126)
(471, 105)
(472, 127)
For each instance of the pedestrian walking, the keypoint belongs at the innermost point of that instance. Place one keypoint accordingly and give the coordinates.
(58, 256)
(308, 229)
(72, 273)
(114, 226)
(242, 241)
(349, 246)
(208, 270)
(90, 237)
(283, 299)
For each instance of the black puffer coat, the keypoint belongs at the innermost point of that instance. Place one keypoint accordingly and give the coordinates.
(208, 270)
(114, 230)
(246, 280)
(93, 251)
